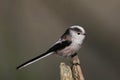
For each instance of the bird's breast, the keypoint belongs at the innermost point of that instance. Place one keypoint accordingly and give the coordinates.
(69, 50)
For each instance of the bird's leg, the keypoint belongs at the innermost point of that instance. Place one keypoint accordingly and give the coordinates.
(73, 55)
(75, 59)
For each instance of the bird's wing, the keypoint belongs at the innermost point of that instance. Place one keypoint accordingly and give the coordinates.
(58, 46)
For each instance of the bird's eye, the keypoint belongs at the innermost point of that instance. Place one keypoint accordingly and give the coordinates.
(78, 33)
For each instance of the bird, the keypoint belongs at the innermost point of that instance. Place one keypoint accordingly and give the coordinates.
(67, 45)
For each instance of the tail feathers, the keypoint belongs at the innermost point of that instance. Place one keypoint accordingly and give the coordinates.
(34, 60)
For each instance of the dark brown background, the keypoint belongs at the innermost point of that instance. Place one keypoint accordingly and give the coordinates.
(30, 27)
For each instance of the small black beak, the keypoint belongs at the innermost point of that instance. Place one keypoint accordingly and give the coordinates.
(84, 34)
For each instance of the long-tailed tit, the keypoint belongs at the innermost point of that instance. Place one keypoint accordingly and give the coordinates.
(68, 44)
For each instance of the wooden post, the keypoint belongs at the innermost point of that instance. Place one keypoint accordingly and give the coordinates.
(65, 72)
(73, 73)
(76, 69)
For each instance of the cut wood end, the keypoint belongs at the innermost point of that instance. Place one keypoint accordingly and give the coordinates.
(65, 72)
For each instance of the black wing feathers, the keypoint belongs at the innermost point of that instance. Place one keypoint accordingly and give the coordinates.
(59, 46)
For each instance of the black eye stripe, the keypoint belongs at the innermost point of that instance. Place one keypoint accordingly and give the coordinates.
(76, 29)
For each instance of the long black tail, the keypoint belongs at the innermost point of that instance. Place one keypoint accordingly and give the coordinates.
(34, 60)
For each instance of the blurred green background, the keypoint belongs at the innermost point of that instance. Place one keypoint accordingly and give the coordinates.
(29, 27)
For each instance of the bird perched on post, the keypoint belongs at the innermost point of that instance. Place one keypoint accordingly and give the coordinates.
(67, 45)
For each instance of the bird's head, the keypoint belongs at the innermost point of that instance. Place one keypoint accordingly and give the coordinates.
(77, 32)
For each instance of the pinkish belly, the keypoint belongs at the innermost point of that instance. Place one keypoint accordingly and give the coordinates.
(65, 52)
